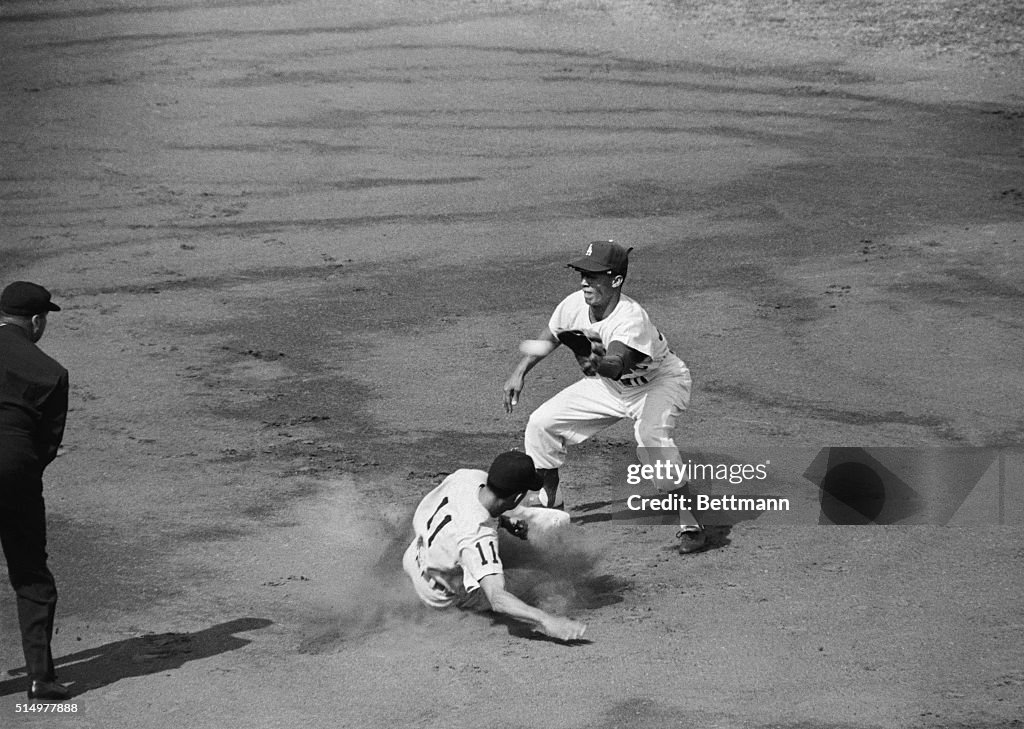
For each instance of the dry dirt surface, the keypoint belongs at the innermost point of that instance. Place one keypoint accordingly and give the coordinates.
(297, 243)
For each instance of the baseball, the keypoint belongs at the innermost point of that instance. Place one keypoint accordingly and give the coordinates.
(536, 347)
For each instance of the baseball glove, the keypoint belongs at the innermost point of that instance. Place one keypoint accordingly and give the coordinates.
(581, 344)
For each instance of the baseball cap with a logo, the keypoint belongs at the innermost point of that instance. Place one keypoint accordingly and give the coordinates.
(23, 298)
(603, 256)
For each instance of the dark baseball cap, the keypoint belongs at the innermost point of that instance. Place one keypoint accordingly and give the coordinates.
(511, 473)
(603, 256)
(23, 298)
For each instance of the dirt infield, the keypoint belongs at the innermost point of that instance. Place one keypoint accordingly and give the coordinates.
(296, 246)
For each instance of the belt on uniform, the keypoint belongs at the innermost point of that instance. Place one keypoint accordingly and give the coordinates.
(435, 584)
(431, 581)
(634, 381)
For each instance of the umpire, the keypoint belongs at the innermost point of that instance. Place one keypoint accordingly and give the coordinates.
(33, 408)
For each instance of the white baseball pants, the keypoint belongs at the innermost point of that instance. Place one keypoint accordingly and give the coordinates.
(590, 405)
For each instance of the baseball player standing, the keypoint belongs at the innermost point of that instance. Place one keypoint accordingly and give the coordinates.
(453, 558)
(630, 373)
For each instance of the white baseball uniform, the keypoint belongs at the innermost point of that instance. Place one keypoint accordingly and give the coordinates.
(652, 395)
(456, 542)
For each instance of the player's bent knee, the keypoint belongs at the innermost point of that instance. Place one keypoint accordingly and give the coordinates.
(539, 422)
(654, 437)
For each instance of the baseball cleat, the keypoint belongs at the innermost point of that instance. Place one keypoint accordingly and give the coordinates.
(691, 539)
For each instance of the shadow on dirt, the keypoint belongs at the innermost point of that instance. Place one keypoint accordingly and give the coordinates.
(147, 654)
(718, 532)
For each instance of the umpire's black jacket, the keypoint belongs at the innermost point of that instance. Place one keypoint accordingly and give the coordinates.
(33, 398)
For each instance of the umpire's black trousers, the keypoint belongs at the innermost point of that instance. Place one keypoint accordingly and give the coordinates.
(23, 535)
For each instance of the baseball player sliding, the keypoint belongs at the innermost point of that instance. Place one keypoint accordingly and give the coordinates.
(453, 558)
(629, 372)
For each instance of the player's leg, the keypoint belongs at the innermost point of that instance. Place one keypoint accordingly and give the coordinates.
(655, 414)
(568, 418)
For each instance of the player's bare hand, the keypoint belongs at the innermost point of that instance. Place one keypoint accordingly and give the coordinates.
(515, 527)
(564, 629)
(512, 389)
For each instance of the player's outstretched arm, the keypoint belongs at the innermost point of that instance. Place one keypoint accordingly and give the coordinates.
(513, 386)
(503, 601)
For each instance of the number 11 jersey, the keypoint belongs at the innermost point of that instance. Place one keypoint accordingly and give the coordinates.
(456, 536)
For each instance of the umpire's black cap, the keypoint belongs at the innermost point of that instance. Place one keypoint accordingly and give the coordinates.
(24, 298)
(513, 473)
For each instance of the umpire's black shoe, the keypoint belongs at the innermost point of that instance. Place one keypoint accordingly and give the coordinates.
(48, 691)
